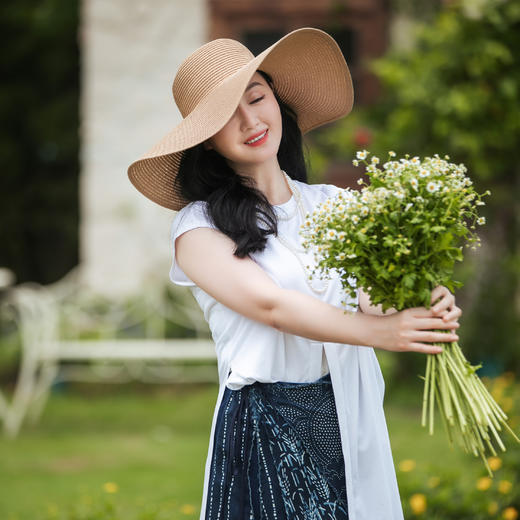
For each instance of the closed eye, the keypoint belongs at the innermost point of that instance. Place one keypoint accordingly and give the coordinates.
(257, 100)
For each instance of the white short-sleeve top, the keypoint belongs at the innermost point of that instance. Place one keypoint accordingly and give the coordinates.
(252, 350)
(248, 351)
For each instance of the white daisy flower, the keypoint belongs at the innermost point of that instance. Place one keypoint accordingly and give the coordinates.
(424, 173)
(481, 221)
(364, 211)
(399, 194)
(391, 153)
(362, 154)
(355, 162)
(355, 219)
(352, 255)
(360, 181)
(374, 160)
(408, 206)
(340, 256)
(414, 183)
(432, 187)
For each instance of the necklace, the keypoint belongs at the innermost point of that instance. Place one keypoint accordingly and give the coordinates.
(296, 250)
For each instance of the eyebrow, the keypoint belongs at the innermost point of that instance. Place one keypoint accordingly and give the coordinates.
(254, 84)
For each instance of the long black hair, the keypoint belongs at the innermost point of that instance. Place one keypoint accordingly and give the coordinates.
(235, 205)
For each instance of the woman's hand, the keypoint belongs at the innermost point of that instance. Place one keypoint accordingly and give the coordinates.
(445, 307)
(412, 329)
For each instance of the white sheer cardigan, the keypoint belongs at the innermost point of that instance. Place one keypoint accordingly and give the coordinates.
(249, 351)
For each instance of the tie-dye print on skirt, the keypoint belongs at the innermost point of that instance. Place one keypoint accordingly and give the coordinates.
(277, 454)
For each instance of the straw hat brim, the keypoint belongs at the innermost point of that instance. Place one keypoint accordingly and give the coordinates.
(310, 75)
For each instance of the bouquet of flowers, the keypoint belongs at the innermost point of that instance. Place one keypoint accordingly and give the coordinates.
(399, 237)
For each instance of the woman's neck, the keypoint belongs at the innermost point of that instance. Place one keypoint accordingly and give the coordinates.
(272, 183)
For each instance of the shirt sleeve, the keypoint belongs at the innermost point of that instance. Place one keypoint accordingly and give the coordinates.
(189, 217)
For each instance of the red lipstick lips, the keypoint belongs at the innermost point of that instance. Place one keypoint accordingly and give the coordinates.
(260, 141)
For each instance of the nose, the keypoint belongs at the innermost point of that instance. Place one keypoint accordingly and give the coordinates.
(248, 117)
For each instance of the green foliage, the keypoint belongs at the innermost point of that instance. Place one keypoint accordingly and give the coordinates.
(457, 91)
(39, 138)
(401, 235)
(137, 453)
(441, 490)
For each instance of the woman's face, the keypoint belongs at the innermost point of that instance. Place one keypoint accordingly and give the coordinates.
(252, 136)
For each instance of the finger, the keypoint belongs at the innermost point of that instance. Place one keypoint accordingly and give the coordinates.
(420, 312)
(438, 292)
(431, 336)
(435, 323)
(453, 315)
(442, 307)
(447, 301)
(424, 349)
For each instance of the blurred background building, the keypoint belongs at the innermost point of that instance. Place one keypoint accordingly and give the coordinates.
(114, 62)
(87, 90)
(130, 53)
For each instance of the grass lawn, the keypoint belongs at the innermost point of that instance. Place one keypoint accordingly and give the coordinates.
(144, 449)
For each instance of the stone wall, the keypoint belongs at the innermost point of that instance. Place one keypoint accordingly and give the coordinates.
(130, 52)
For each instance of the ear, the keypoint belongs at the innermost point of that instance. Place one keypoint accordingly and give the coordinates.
(207, 145)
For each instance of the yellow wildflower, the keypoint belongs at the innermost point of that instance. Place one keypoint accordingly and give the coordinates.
(484, 483)
(494, 463)
(504, 486)
(187, 509)
(510, 513)
(110, 487)
(407, 465)
(418, 503)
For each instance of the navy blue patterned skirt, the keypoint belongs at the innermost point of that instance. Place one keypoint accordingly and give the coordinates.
(277, 454)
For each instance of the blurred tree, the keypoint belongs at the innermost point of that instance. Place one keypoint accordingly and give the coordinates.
(39, 138)
(457, 91)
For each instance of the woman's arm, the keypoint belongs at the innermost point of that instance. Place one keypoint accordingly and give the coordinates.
(206, 256)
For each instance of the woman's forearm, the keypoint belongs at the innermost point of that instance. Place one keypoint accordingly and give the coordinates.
(304, 315)
(413, 330)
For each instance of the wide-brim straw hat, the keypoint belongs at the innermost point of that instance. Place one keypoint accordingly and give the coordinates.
(309, 74)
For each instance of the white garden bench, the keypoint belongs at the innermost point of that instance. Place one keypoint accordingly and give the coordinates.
(47, 358)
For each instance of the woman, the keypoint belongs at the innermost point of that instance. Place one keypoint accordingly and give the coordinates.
(298, 429)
